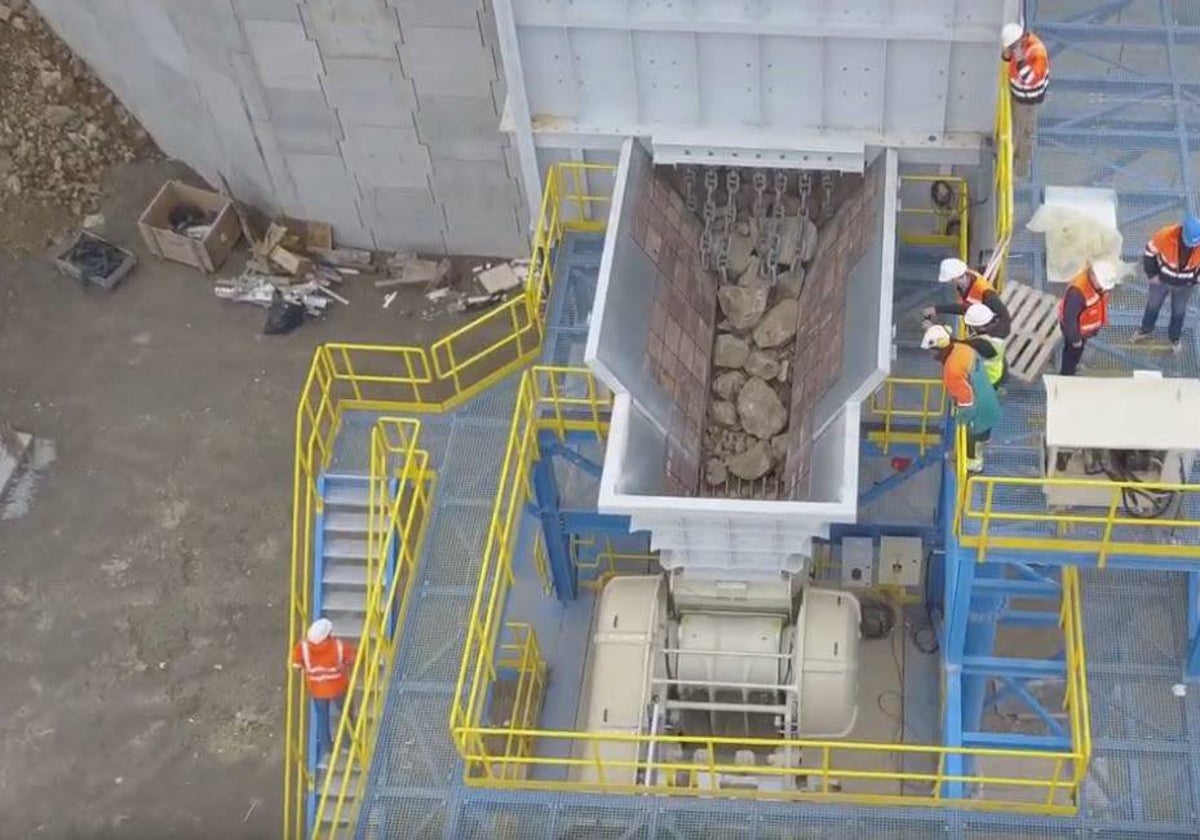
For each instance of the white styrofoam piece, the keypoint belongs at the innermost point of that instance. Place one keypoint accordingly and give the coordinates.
(1100, 203)
(1113, 412)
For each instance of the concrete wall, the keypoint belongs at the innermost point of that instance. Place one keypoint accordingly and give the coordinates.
(378, 116)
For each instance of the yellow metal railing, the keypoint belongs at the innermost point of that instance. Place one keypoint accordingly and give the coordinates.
(948, 227)
(521, 656)
(599, 562)
(517, 754)
(348, 376)
(920, 406)
(400, 496)
(556, 398)
(1003, 175)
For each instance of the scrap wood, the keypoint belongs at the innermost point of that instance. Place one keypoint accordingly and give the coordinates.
(325, 290)
(343, 257)
(289, 262)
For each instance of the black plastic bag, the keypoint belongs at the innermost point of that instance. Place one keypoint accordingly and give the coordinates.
(283, 316)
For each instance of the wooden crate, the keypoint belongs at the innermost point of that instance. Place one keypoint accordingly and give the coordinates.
(206, 254)
(1035, 332)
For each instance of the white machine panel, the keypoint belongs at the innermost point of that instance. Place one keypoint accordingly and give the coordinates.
(826, 663)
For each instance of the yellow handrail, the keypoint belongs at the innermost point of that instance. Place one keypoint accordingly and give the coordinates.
(1003, 182)
(960, 239)
(348, 376)
(930, 410)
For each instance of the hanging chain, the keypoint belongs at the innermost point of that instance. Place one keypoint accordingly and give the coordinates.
(805, 190)
(827, 186)
(776, 236)
(733, 182)
(710, 213)
(689, 187)
(759, 211)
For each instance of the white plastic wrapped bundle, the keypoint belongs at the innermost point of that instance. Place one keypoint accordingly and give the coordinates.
(1074, 239)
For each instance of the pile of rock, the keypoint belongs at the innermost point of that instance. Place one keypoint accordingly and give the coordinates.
(746, 431)
(60, 128)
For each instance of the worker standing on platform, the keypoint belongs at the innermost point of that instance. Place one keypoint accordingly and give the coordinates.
(1083, 310)
(970, 287)
(979, 320)
(326, 661)
(1172, 264)
(1028, 79)
(967, 384)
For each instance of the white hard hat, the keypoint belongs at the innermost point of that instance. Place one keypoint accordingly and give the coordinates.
(951, 269)
(978, 315)
(1010, 34)
(935, 336)
(320, 630)
(1107, 273)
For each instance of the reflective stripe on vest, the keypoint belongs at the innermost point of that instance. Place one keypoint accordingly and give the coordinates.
(994, 367)
(323, 673)
(1165, 247)
(1095, 305)
(1029, 80)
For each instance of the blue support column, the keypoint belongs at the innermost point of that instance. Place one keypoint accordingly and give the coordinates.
(563, 573)
(1192, 669)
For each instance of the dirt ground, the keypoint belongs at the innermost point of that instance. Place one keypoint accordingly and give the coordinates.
(142, 598)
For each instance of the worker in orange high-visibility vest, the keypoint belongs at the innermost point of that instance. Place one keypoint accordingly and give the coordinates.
(1172, 264)
(1083, 310)
(966, 383)
(1028, 80)
(326, 661)
(969, 287)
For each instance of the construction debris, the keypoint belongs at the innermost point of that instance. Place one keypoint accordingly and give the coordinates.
(409, 269)
(499, 278)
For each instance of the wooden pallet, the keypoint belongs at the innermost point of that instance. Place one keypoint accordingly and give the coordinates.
(1035, 333)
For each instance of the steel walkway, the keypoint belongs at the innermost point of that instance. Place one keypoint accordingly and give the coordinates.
(1124, 111)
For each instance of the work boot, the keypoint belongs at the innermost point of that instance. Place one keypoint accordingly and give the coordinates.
(1177, 347)
(975, 465)
(1139, 337)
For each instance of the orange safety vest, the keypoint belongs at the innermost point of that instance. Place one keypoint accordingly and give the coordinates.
(1164, 247)
(956, 374)
(976, 290)
(1095, 304)
(1029, 78)
(325, 667)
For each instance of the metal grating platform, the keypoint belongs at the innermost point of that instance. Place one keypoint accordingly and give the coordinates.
(1123, 112)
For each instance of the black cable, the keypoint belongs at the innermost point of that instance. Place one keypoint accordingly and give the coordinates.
(876, 618)
(94, 258)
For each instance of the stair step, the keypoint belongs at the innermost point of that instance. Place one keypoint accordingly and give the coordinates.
(345, 624)
(346, 548)
(347, 491)
(349, 522)
(342, 573)
(340, 600)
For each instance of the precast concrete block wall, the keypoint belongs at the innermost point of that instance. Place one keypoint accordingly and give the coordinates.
(380, 117)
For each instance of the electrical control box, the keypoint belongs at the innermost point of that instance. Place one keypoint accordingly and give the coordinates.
(901, 561)
(858, 562)
(1097, 431)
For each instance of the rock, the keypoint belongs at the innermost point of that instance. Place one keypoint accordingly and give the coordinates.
(744, 307)
(785, 368)
(790, 282)
(58, 115)
(5, 13)
(715, 472)
(18, 5)
(723, 412)
(94, 222)
(50, 78)
(730, 351)
(789, 239)
(729, 384)
(761, 365)
(752, 276)
(13, 185)
(761, 411)
(19, 24)
(779, 448)
(741, 249)
(807, 247)
(754, 463)
(779, 325)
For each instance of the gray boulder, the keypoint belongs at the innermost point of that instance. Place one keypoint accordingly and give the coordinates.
(730, 351)
(743, 306)
(779, 325)
(760, 409)
(754, 463)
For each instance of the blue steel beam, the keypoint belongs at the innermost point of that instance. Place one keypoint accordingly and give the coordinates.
(563, 573)
(1192, 669)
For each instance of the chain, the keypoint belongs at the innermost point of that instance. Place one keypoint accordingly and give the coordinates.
(827, 186)
(780, 186)
(689, 187)
(760, 211)
(805, 190)
(710, 213)
(733, 182)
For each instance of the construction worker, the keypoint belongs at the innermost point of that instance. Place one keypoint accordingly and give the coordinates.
(1172, 264)
(966, 383)
(326, 661)
(1083, 310)
(990, 349)
(970, 287)
(1028, 79)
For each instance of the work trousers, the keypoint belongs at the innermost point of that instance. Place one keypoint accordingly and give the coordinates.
(1155, 295)
(328, 713)
(976, 438)
(1070, 357)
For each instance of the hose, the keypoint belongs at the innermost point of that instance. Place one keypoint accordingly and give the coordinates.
(1138, 503)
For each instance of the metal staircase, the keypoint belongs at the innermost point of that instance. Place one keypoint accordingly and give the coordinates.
(342, 532)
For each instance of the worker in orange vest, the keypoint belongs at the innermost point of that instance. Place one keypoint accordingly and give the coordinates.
(1028, 79)
(970, 287)
(326, 661)
(1172, 263)
(1083, 310)
(966, 382)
